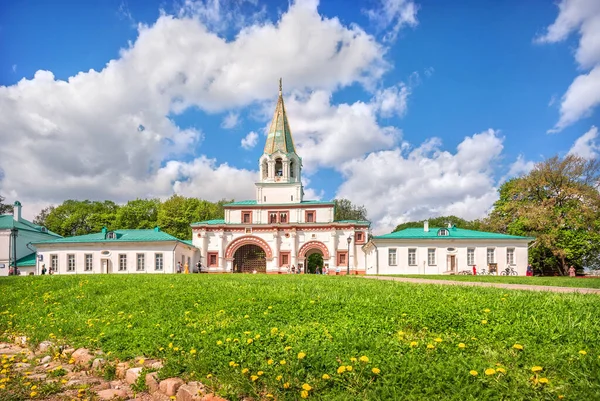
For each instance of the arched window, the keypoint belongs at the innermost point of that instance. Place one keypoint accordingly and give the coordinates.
(278, 168)
(265, 169)
(292, 169)
(442, 232)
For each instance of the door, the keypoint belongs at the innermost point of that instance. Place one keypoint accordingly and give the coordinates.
(453, 263)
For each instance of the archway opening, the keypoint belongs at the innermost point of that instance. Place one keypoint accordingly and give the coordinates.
(249, 258)
(292, 169)
(314, 261)
(278, 168)
(265, 169)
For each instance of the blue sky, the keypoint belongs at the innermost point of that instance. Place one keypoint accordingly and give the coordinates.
(492, 76)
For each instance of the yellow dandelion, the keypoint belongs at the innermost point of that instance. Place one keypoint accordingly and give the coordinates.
(414, 343)
(33, 394)
(325, 377)
(501, 370)
(490, 371)
(254, 378)
(256, 337)
(430, 346)
(282, 362)
(286, 385)
(543, 380)
(364, 359)
(353, 359)
(246, 316)
(231, 363)
(536, 369)
(306, 387)
(208, 376)
(438, 340)
(304, 394)
(287, 348)
(71, 361)
(193, 351)
(484, 321)
(473, 373)
(260, 373)
(269, 395)
(376, 371)
(33, 387)
(301, 355)
(141, 361)
(219, 342)
(270, 362)
(278, 378)
(274, 330)
(518, 346)
(582, 352)
(462, 346)
(349, 368)
(244, 371)
(341, 369)
(486, 310)
(249, 341)
(228, 340)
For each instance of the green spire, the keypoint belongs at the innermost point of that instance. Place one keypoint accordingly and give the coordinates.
(279, 136)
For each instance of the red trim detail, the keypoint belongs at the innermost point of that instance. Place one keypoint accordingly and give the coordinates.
(283, 263)
(246, 240)
(339, 260)
(311, 245)
(209, 257)
(361, 240)
(247, 212)
(314, 216)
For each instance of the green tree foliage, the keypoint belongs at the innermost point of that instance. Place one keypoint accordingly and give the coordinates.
(558, 203)
(442, 221)
(314, 262)
(139, 213)
(75, 217)
(5, 208)
(177, 213)
(345, 210)
(40, 219)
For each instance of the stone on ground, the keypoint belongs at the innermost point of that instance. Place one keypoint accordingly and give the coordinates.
(170, 386)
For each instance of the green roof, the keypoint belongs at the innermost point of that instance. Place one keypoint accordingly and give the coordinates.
(453, 233)
(211, 222)
(27, 261)
(152, 235)
(255, 203)
(7, 222)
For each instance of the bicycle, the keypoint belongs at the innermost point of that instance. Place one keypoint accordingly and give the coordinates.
(509, 271)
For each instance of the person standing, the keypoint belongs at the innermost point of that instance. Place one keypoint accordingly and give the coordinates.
(529, 270)
(44, 269)
(474, 270)
(572, 271)
(179, 267)
(186, 269)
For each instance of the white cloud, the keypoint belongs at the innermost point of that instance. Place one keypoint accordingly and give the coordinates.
(587, 145)
(250, 140)
(405, 184)
(584, 93)
(107, 135)
(518, 167)
(393, 100)
(231, 120)
(393, 15)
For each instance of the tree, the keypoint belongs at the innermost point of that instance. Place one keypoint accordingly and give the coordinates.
(74, 217)
(442, 221)
(345, 210)
(138, 214)
(40, 219)
(177, 213)
(5, 208)
(558, 202)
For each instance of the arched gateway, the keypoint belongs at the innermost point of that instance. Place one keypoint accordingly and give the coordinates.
(249, 253)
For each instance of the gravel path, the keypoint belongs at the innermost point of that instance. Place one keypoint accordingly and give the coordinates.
(497, 285)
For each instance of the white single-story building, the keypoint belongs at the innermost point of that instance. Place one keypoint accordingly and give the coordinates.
(449, 250)
(118, 251)
(16, 237)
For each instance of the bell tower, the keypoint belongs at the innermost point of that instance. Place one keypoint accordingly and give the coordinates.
(280, 168)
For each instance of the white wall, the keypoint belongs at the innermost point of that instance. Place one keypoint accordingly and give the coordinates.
(377, 258)
(172, 252)
(24, 237)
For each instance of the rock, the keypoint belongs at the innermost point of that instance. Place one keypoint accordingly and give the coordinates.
(68, 351)
(21, 340)
(98, 364)
(122, 369)
(160, 397)
(111, 393)
(132, 375)
(82, 357)
(44, 346)
(46, 359)
(37, 376)
(101, 386)
(73, 382)
(190, 392)
(22, 365)
(170, 386)
(152, 382)
(156, 365)
(212, 397)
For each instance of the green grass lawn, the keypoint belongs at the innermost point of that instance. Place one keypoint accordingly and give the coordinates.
(249, 332)
(581, 282)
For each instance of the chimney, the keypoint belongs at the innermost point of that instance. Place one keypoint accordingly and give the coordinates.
(157, 229)
(17, 211)
(426, 226)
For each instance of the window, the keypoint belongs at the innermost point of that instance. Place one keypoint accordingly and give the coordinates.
(442, 232)
(310, 216)
(431, 256)
(54, 262)
(470, 256)
(265, 169)
(342, 258)
(247, 217)
(140, 266)
(491, 255)
(71, 263)
(122, 262)
(359, 237)
(292, 169)
(283, 217)
(412, 257)
(278, 168)
(158, 261)
(284, 259)
(510, 256)
(392, 257)
(89, 262)
(111, 235)
(272, 217)
(213, 260)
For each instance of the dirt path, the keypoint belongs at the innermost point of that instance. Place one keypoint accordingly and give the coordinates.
(497, 285)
